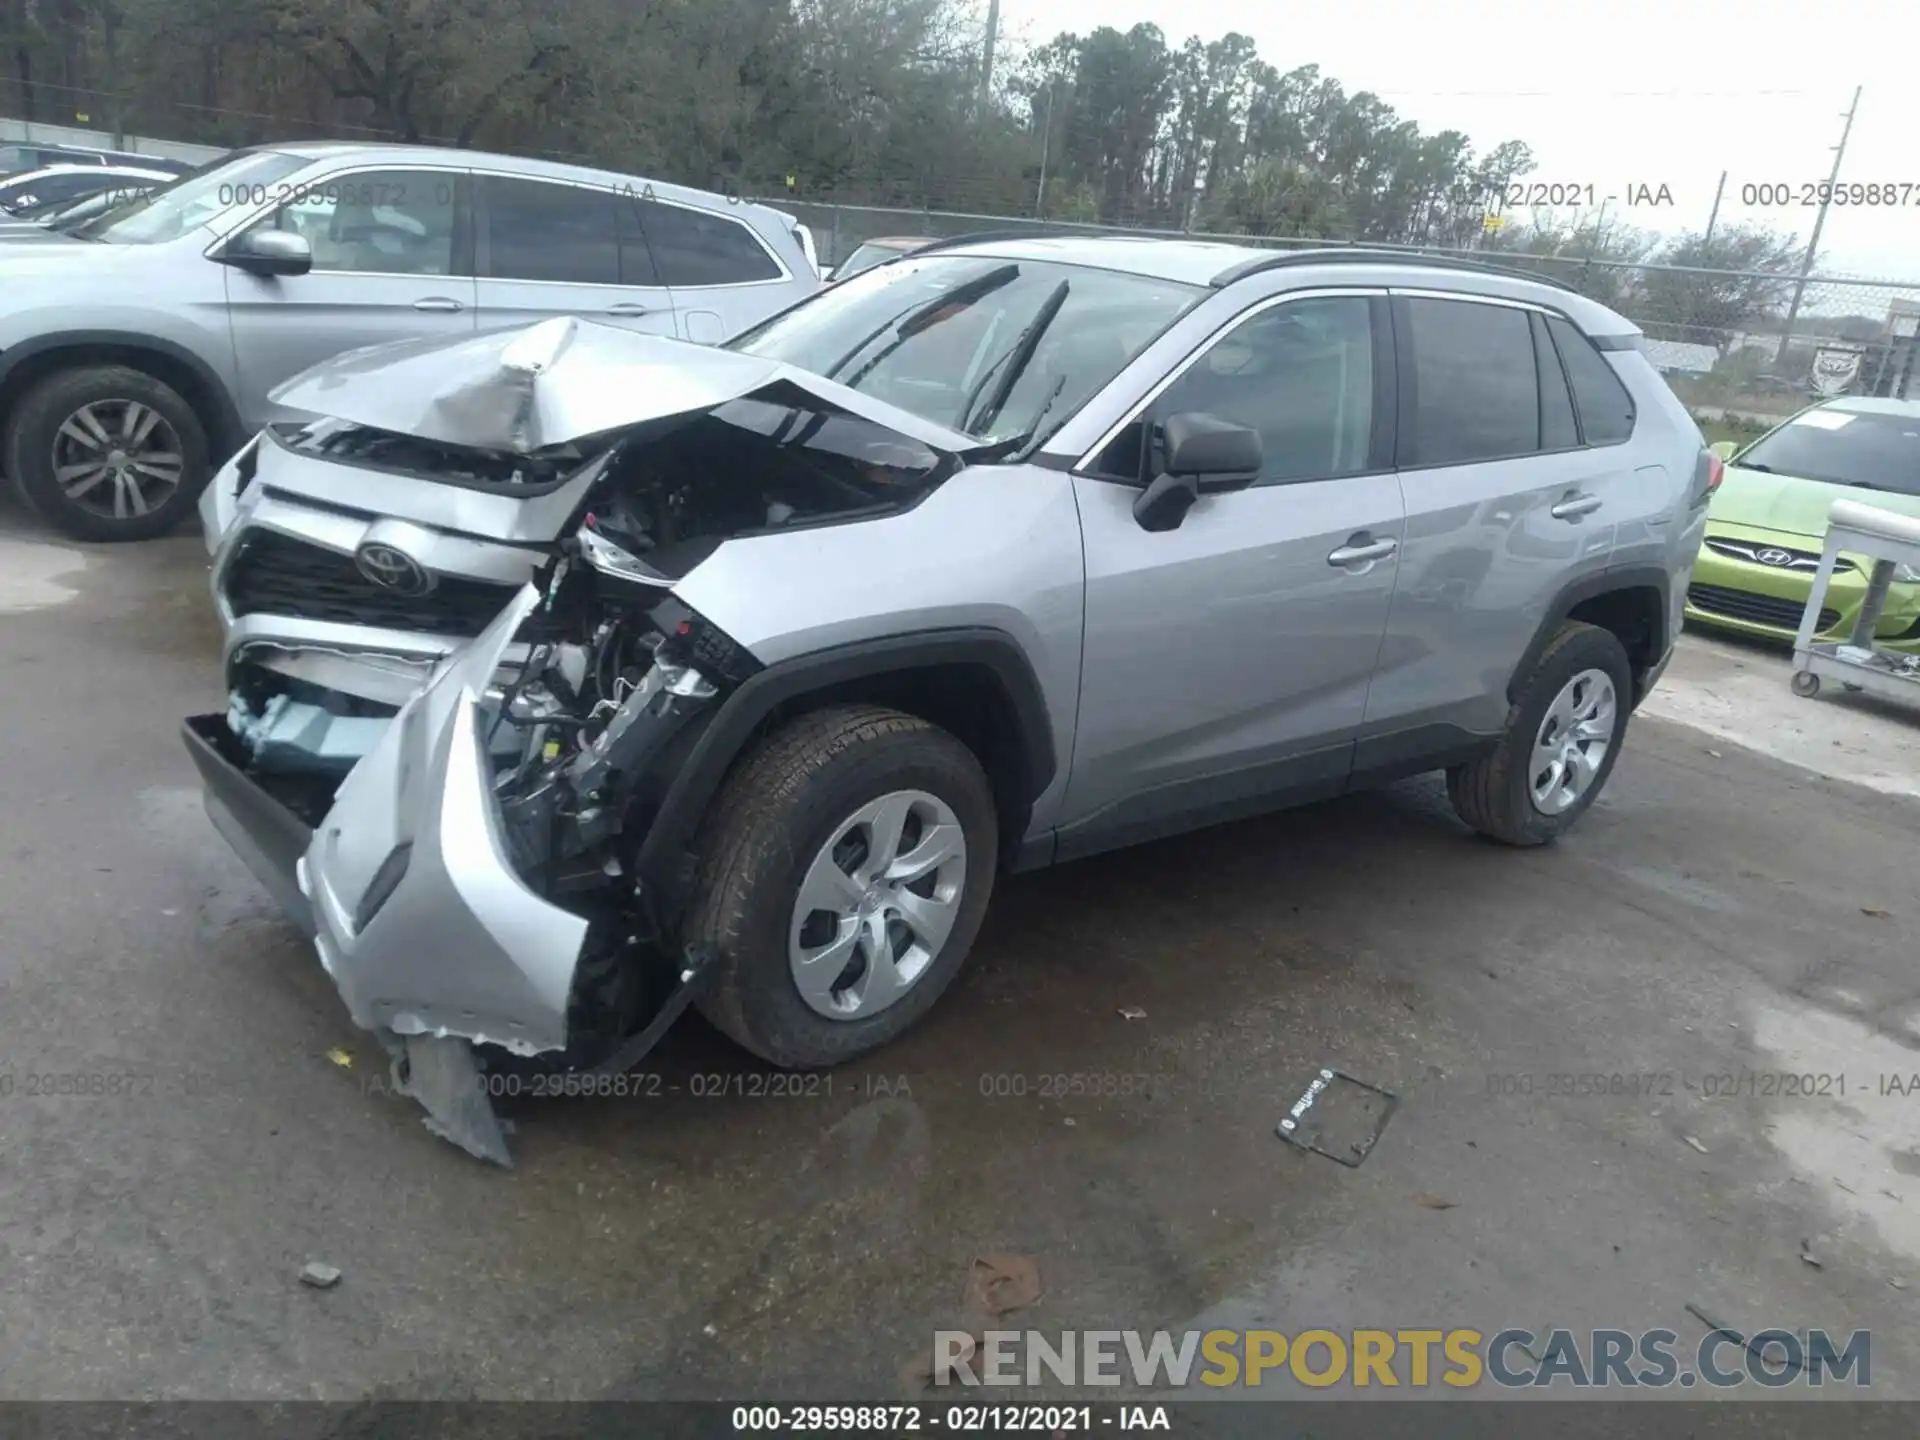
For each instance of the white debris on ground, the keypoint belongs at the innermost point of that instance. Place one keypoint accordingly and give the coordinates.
(1738, 693)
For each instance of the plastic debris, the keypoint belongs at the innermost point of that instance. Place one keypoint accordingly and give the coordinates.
(1696, 1144)
(319, 1276)
(1000, 1284)
(1433, 1202)
(1132, 1012)
(340, 1058)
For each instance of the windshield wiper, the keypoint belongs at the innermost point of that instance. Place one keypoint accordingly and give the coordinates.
(1749, 465)
(1015, 360)
(923, 316)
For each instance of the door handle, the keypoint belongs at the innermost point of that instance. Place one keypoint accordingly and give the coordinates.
(1361, 551)
(446, 304)
(628, 307)
(1574, 506)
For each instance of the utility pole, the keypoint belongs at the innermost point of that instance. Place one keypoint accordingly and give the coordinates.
(1046, 139)
(1714, 215)
(1813, 241)
(986, 66)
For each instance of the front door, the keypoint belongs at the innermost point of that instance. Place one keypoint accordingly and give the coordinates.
(1226, 661)
(391, 261)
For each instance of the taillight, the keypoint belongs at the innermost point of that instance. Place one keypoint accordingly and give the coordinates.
(1707, 476)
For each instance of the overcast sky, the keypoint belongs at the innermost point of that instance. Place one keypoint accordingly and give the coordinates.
(1617, 95)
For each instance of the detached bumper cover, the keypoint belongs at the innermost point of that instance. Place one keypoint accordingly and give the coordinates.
(419, 915)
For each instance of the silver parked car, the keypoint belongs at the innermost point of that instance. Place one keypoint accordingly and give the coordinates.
(131, 367)
(25, 199)
(1001, 554)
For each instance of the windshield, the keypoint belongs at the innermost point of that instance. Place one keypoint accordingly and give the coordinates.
(993, 348)
(1880, 452)
(92, 205)
(199, 196)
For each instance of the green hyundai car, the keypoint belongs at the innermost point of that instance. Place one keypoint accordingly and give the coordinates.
(1767, 525)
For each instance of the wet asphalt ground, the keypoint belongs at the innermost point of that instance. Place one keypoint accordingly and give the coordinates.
(1719, 914)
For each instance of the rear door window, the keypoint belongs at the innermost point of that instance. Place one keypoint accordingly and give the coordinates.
(698, 247)
(1476, 387)
(565, 234)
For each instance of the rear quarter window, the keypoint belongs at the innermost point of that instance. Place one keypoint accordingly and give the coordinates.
(1604, 406)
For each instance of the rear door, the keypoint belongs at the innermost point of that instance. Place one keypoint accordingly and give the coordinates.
(551, 247)
(392, 260)
(723, 276)
(1505, 509)
(1226, 661)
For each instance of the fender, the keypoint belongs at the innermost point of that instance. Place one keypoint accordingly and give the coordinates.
(1590, 587)
(226, 417)
(663, 854)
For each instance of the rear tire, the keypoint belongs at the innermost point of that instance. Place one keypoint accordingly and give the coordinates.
(151, 449)
(1515, 794)
(794, 805)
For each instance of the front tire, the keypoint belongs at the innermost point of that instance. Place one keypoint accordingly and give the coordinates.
(107, 453)
(845, 870)
(1562, 737)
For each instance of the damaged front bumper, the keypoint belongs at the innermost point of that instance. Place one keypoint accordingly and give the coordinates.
(404, 884)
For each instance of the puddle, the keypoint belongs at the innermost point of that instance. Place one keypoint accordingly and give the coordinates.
(1861, 1153)
(31, 572)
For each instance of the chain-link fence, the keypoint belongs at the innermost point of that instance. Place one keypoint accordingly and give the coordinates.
(1722, 337)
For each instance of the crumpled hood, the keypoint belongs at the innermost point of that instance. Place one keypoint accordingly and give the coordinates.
(1759, 500)
(527, 389)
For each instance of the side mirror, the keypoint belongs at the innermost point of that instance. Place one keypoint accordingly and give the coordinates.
(1201, 455)
(1725, 449)
(269, 252)
(1216, 454)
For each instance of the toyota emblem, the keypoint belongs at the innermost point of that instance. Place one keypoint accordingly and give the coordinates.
(1775, 557)
(392, 569)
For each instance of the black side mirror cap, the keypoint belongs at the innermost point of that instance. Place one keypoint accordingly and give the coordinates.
(1216, 454)
(268, 252)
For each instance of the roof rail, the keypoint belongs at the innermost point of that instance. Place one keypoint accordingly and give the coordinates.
(1360, 255)
(1030, 232)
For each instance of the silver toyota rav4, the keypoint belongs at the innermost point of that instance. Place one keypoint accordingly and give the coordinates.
(747, 669)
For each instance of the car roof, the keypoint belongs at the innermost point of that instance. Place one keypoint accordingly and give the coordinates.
(899, 242)
(389, 152)
(1219, 264)
(1874, 405)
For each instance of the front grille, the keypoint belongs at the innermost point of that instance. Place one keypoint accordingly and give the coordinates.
(1755, 609)
(1804, 561)
(275, 574)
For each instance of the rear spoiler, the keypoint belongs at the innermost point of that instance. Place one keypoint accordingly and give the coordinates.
(801, 234)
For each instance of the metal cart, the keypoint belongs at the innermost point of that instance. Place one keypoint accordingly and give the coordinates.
(1889, 541)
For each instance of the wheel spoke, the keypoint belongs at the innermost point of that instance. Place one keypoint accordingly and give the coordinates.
(827, 887)
(90, 436)
(930, 919)
(938, 844)
(158, 469)
(815, 974)
(77, 480)
(135, 421)
(888, 821)
(882, 982)
(1581, 768)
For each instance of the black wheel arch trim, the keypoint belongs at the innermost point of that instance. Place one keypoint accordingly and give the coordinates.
(662, 860)
(1591, 587)
(227, 415)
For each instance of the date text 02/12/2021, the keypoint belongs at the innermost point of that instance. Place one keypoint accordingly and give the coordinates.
(1710, 1085)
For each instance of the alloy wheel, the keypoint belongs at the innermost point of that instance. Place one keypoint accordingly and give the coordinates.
(117, 458)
